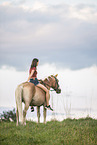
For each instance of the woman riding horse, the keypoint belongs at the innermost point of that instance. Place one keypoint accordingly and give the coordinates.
(33, 79)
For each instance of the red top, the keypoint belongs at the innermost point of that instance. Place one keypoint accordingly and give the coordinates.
(35, 72)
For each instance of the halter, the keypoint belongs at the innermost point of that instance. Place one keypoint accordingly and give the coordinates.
(56, 83)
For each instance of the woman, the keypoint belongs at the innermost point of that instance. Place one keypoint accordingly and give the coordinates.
(33, 79)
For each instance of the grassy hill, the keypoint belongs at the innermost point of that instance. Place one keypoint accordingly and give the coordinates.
(67, 132)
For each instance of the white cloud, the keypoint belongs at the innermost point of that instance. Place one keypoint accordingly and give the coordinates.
(9, 78)
(36, 6)
(6, 3)
(85, 13)
(39, 6)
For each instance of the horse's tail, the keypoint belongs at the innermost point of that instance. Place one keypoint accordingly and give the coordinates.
(18, 97)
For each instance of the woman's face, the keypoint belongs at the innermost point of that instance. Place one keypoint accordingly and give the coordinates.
(37, 63)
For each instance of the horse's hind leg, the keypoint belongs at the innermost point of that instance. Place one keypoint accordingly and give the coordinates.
(17, 117)
(24, 113)
(38, 113)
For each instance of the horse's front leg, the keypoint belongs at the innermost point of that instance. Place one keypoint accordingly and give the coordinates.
(25, 112)
(38, 113)
(44, 113)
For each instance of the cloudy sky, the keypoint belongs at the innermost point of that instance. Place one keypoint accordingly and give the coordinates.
(62, 34)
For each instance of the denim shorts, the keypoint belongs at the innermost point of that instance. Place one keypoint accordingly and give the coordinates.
(35, 82)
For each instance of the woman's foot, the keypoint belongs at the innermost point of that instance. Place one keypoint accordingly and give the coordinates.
(32, 109)
(48, 107)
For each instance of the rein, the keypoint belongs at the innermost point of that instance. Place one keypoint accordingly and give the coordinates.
(45, 84)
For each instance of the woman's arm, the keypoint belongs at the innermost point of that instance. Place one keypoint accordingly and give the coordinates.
(30, 75)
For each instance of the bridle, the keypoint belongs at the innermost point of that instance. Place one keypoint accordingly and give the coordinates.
(56, 84)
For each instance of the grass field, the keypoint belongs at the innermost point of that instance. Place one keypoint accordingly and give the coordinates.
(67, 132)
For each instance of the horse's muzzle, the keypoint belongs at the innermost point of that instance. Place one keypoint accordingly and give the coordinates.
(58, 91)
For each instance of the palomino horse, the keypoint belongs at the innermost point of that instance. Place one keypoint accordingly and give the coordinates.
(32, 95)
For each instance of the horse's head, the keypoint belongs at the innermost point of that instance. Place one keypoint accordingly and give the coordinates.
(55, 83)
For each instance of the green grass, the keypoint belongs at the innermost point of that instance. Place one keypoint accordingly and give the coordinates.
(67, 132)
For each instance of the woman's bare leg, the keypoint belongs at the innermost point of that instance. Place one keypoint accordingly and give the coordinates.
(47, 92)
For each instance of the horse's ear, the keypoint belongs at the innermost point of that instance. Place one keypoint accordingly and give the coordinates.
(56, 75)
(45, 79)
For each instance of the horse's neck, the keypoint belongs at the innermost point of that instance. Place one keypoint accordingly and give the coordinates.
(47, 83)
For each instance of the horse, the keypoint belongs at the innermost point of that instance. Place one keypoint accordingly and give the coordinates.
(32, 95)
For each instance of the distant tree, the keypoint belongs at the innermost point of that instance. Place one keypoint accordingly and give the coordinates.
(8, 116)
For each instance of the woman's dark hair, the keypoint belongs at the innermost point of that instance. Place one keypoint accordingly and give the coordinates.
(34, 62)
